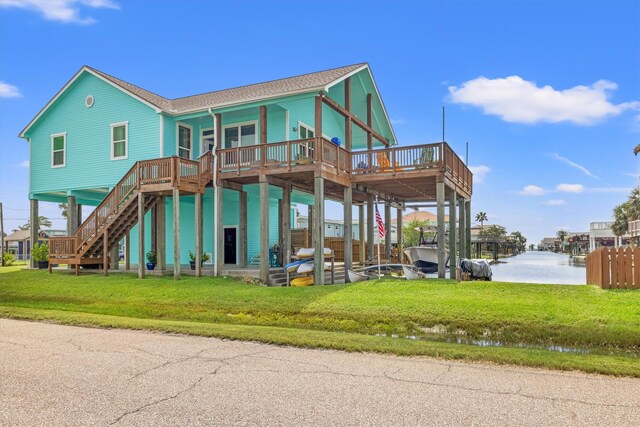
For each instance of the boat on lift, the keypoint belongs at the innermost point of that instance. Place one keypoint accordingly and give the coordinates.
(425, 256)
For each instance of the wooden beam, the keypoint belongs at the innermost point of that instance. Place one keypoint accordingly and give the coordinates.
(348, 224)
(154, 228)
(72, 215)
(198, 231)
(370, 222)
(176, 233)
(348, 131)
(127, 251)
(441, 229)
(347, 94)
(318, 228)
(115, 256)
(310, 225)
(361, 235)
(399, 234)
(286, 224)
(387, 227)
(462, 241)
(453, 259)
(105, 251)
(264, 232)
(141, 235)
(161, 233)
(318, 116)
(219, 230)
(242, 238)
(34, 220)
(218, 130)
(225, 183)
(361, 124)
(467, 223)
(369, 121)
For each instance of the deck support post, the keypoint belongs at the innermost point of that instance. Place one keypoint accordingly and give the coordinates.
(348, 224)
(361, 234)
(462, 218)
(399, 234)
(34, 230)
(176, 233)
(161, 233)
(264, 231)
(198, 230)
(370, 221)
(286, 224)
(387, 229)
(115, 256)
(78, 216)
(242, 238)
(219, 230)
(141, 235)
(318, 227)
(72, 215)
(453, 259)
(127, 251)
(154, 228)
(310, 226)
(105, 251)
(441, 229)
(467, 225)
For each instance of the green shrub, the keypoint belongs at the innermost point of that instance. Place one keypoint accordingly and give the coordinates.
(9, 259)
(40, 252)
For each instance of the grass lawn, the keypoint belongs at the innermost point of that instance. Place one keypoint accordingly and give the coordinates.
(356, 317)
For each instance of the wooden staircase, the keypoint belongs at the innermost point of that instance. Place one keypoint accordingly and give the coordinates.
(93, 241)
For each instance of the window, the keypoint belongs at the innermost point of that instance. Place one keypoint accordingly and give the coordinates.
(58, 150)
(242, 135)
(208, 140)
(305, 131)
(184, 141)
(119, 136)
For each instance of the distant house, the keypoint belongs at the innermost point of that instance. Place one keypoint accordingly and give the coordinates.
(19, 242)
(548, 244)
(601, 235)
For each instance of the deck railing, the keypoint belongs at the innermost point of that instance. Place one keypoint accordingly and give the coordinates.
(168, 170)
(396, 159)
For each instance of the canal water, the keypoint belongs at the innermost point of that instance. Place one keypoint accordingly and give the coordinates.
(539, 267)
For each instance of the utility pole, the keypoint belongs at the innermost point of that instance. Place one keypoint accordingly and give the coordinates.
(1, 237)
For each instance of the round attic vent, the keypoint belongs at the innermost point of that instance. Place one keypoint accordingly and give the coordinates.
(88, 102)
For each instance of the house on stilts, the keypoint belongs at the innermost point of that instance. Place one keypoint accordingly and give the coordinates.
(218, 172)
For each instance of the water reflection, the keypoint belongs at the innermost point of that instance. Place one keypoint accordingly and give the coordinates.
(540, 267)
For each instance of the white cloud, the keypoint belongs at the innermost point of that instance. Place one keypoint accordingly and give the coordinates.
(397, 121)
(520, 101)
(533, 190)
(479, 172)
(9, 91)
(555, 202)
(570, 188)
(67, 11)
(574, 165)
(24, 164)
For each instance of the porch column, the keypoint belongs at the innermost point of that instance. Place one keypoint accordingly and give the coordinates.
(154, 229)
(441, 229)
(161, 233)
(281, 255)
(176, 233)
(453, 232)
(286, 224)
(115, 256)
(127, 251)
(310, 226)
(387, 228)
(263, 134)
(361, 234)
(79, 216)
(264, 230)
(242, 238)
(219, 230)
(348, 224)
(141, 235)
(462, 229)
(467, 224)
(198, 230)
(399, 234)
(105, 251)
(318, 227)
(34, 220)
(370, 221)
(72, 215)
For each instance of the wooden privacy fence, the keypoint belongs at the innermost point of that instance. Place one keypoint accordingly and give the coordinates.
(300, 239)
(614, 268)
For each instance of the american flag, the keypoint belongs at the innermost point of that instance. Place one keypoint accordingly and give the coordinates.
(381, 230)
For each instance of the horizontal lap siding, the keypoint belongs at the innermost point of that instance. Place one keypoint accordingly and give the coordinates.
(88, 143)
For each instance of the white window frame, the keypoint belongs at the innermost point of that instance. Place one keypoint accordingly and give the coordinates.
(178, 124)
(64, 150)
(239, 125)
(202, 131)
(306, 126)
(126, 140)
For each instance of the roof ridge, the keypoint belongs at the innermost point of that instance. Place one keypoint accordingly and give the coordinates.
(120, 82)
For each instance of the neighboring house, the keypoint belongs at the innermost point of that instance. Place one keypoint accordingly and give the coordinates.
(548, 244)
(19, 242)
(578, 243)
(600, 235)
(222, 164)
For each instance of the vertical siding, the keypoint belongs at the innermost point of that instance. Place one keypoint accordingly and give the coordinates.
(88, 144)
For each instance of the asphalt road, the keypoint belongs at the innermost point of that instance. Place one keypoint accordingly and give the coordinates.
(63, 375)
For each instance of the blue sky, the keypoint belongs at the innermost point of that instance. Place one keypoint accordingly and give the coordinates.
(547, 93)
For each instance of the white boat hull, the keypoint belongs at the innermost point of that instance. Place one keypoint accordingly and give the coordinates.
(425, 257)
(356, 277)
(411, 273)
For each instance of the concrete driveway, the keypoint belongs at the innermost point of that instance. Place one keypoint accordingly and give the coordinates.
(63, 375)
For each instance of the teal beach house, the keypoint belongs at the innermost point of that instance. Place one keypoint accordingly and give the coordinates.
(218, 173)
